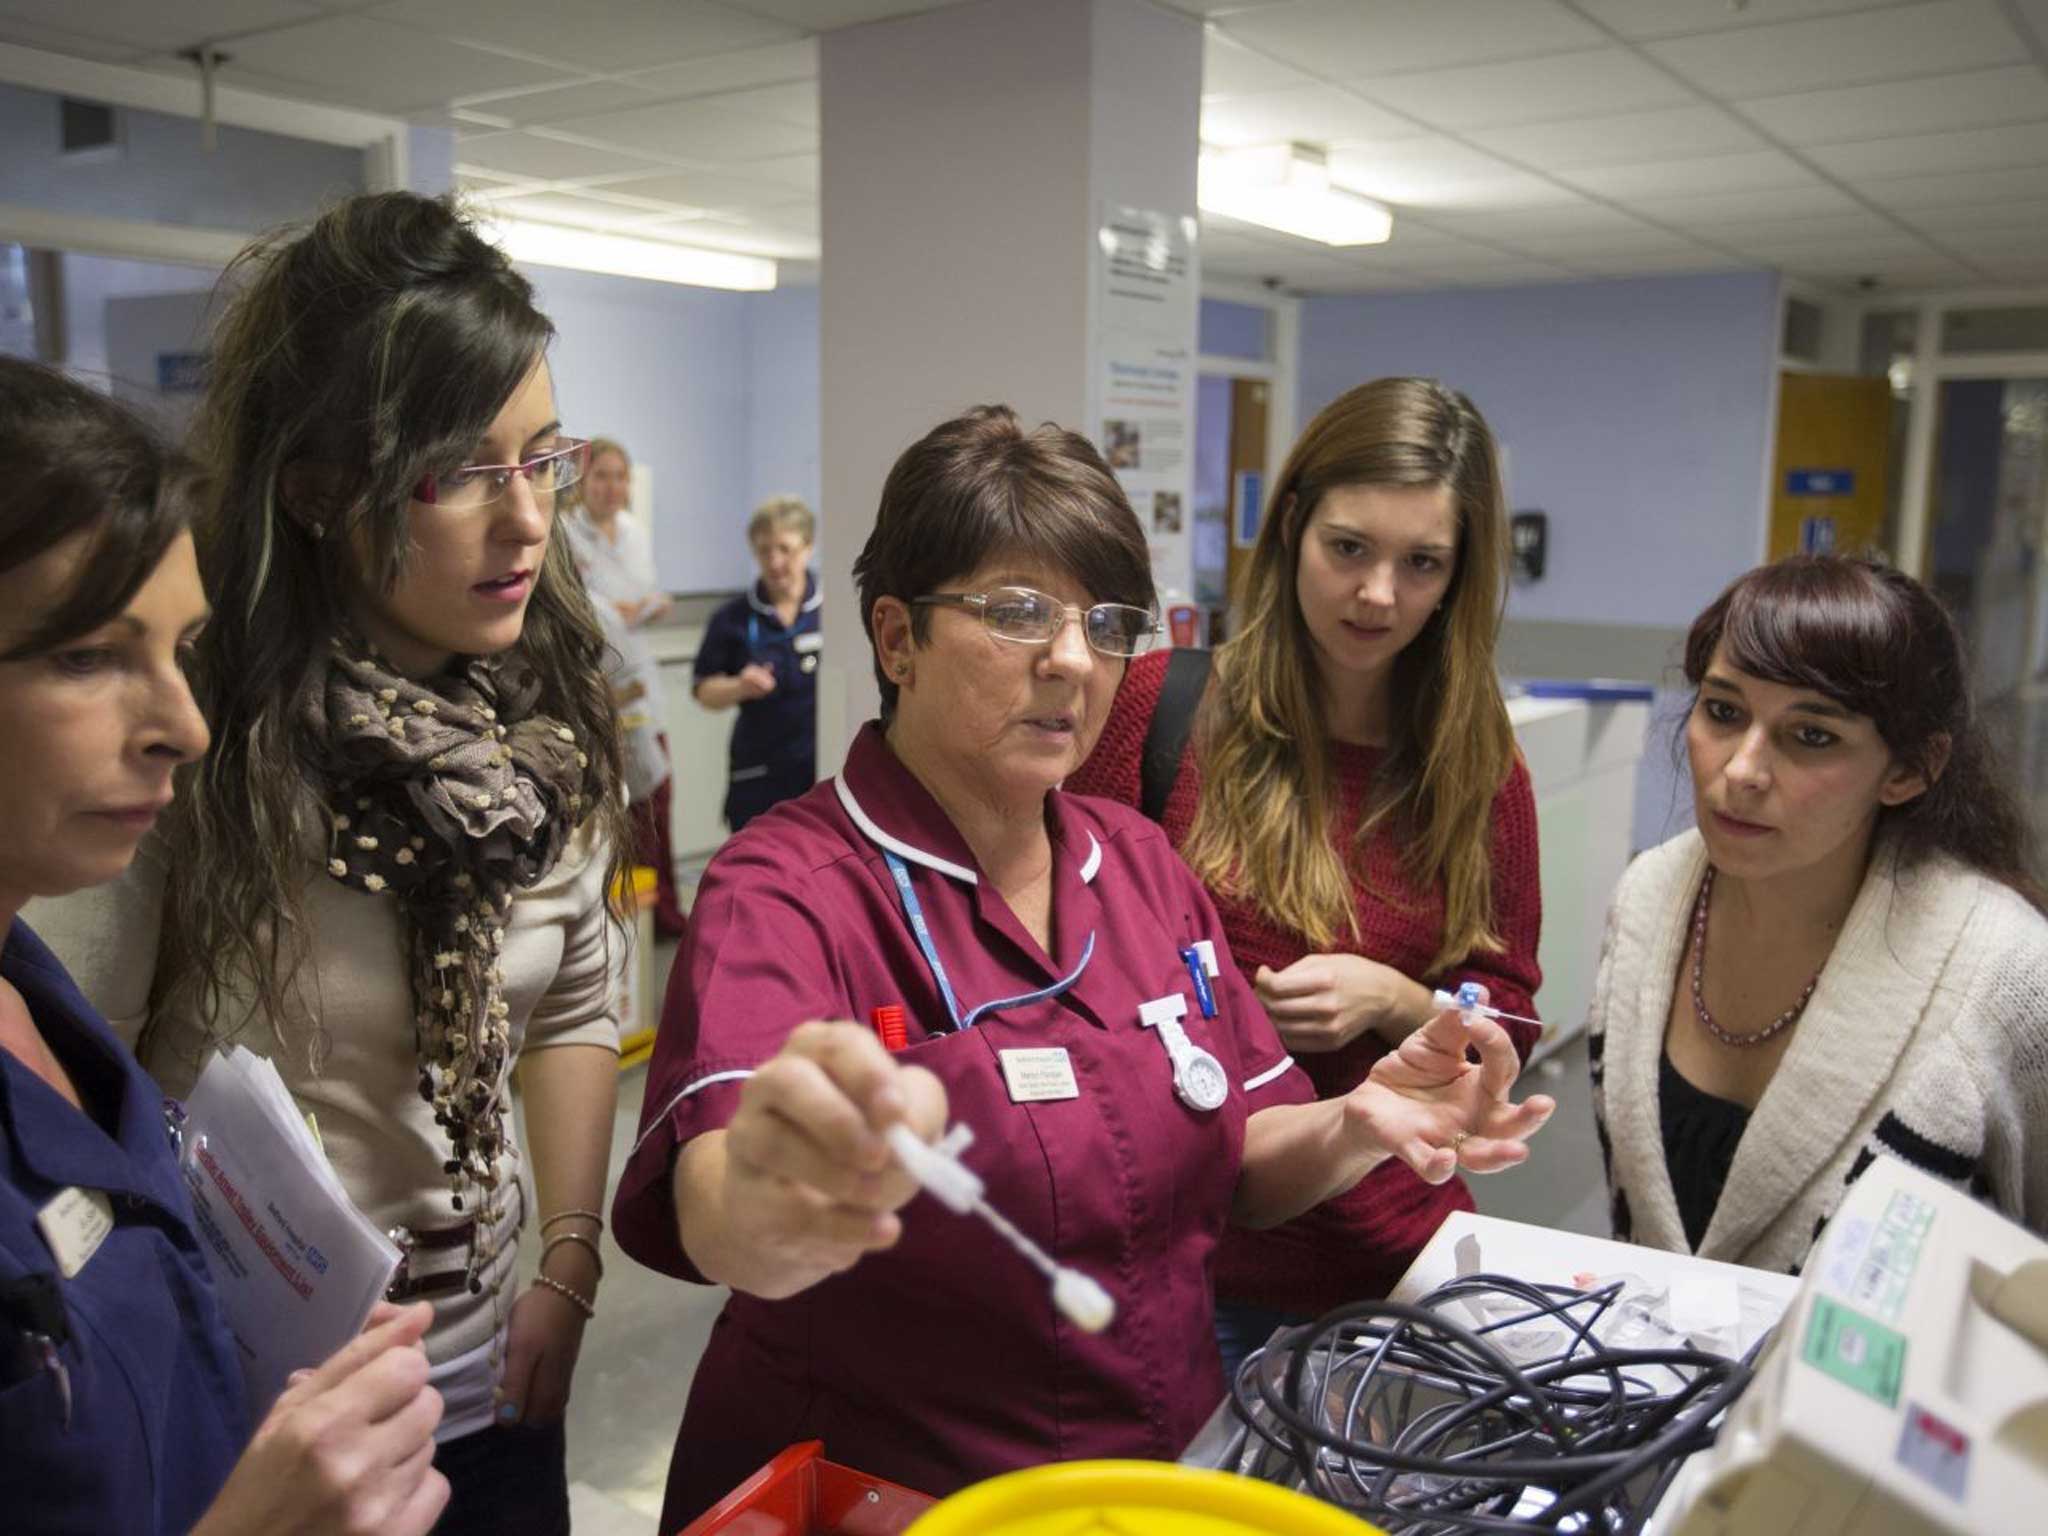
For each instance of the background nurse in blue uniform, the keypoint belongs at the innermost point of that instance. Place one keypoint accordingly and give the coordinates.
(121, 1403)
(761, 652)
(1051, 962)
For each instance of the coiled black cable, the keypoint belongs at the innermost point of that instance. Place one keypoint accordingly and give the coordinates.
(1407, 1417)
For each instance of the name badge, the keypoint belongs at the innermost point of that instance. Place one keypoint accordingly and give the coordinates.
(75, 1223)
(1037, 1076)
(804, 644)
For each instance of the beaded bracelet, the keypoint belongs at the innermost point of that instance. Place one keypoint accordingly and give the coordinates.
(549, 1221)
(573, 1237)
(577, 1299)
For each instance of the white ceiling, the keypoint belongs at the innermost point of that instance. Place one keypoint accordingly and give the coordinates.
(1904, 141)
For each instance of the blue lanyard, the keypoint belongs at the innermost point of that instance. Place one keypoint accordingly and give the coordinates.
(914, 910)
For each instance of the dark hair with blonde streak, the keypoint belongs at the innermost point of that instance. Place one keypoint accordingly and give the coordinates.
(1262, 832)
(980, 487)
(1878, 643)
(354, 358)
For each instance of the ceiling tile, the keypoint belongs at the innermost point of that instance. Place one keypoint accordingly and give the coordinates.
(1885, 44)
(1530, 90)
(1222, 7)
(542, 158)
(1849, 253)
(1976, 149)
(1500, 272)
(1956, 189)
(798, 171)
(553, 103)
(1372, 280)
(1756, 170)
(1507, 226)
(1974, 217)
(1229, 70)
(380, 66)
(1316, 114)
(1713, 208)
(1979, 98)
(1672, 18)
(134, 27)
(1644, 264)
(1995, 244)
(1359, 39)
(796, 102)
(702, 189)
(1623, 139)
(1817, 229)
(702, 128)
(33, 34)
(824, 15)
(1608, 251)
(1436, 172)
(591, 34)
(777, 64)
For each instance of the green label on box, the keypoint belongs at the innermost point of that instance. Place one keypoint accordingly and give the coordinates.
(1855, 1350)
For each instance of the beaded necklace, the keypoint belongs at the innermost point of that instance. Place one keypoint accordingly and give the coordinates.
(1783, 1021)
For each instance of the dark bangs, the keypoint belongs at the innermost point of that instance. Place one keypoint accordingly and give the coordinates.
(76, 462)
(1844, 628)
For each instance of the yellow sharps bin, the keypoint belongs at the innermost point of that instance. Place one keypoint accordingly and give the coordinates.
(1133, 1498)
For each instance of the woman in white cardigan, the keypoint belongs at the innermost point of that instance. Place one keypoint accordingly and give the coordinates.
(1847, 956)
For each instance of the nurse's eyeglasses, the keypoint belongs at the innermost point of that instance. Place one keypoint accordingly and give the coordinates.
(478, 485)
(1033, 618)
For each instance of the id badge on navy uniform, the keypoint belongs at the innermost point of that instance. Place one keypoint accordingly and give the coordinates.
(1039, 1075)
(75, 1222)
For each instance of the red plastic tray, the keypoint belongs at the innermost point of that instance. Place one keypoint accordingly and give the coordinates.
(800, 1493)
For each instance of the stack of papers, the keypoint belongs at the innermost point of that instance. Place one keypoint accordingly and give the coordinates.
(296, 1265)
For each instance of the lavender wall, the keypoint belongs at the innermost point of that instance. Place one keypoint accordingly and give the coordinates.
(1636, 412)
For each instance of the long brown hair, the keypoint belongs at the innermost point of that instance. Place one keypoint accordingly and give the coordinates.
(374, 347)
(1878, 643)
(1263, 830)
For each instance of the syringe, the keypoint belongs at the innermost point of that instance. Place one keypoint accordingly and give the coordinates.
(1466, 1000)
(956, 1186)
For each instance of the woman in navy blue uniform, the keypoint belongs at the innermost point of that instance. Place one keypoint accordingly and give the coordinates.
(121, 1402)
(761, 652)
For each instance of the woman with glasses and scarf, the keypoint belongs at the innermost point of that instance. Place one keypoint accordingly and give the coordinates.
(390, 875)
(1037, 965)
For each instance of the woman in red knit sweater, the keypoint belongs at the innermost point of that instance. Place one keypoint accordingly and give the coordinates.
(1351, 795)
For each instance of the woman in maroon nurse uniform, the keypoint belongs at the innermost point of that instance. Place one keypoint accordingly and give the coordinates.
(1032, 941)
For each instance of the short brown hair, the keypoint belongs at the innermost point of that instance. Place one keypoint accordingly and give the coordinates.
(979, 487)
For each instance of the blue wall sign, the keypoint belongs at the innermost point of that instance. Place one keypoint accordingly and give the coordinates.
(1820, 482)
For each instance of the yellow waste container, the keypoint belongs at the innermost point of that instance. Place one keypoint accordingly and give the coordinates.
(1133, 1498)
(633, 962)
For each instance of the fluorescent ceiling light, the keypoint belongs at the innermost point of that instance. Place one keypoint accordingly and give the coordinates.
(1287, 187)
(555, 245)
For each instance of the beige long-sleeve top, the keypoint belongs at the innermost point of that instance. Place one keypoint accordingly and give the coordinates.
(1927, 1037)
(364, 1091)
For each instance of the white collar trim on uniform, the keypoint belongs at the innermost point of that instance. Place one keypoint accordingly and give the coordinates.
(1090, 866)
(811, 604)
(896, 845)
